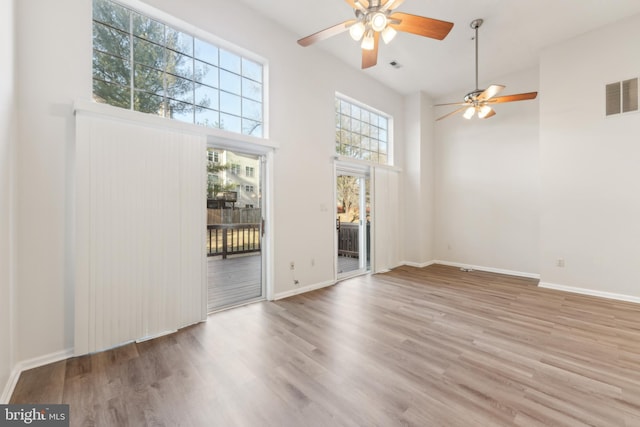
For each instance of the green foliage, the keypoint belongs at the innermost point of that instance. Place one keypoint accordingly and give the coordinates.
(162, 77)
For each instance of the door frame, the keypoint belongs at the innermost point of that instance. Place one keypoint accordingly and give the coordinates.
(365, 171)
(267, 204)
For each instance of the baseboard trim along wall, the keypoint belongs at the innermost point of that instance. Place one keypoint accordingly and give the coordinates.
(25, 365)
(590, 292)
(303, 289)
(418, 264)
(489, 269)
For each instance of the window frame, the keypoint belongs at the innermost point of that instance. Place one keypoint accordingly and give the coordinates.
(175, 24)
(364, 107)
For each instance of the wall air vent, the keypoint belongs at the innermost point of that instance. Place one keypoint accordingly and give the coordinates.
(622, 97)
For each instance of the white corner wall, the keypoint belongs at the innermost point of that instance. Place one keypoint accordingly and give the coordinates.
(54, 69)
(8, 142)
(487, 183)
(590, 164)
(418, 180)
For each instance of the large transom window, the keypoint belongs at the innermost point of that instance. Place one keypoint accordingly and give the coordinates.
(145, 65)
(361, 132)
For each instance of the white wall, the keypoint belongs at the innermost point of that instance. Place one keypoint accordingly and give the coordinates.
(487, 183)
(303, 82)
(590, 200)
(54, 65)
(7, 162)
(54, 69)
(418, 180)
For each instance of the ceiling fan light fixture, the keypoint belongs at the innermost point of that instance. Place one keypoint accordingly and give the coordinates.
(378, 21)
(368, 42)
(388, 34)
(484, 110)
(469, 112)
(356, 31)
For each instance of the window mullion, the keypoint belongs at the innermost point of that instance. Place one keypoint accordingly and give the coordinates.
(132, 67)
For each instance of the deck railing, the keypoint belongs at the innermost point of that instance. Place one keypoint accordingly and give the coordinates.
(230, 239)
(349, 239)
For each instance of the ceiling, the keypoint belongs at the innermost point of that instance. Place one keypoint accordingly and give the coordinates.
(511, 39)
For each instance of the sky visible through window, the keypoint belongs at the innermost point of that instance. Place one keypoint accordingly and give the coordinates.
(144, 65)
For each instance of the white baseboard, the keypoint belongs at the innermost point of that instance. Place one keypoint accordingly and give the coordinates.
(490, 269)
(303, 289)
(590, 292)
(25, 365)
(418, 264)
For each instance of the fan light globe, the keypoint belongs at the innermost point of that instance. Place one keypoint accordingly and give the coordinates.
(357, 31)
(378, 21)
(388, 34)
(469, 112)
(367, 41)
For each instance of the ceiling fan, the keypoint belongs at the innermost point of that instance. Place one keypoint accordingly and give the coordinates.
(480, 101)
(375, 18)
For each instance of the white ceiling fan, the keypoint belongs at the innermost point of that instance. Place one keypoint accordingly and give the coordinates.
(479, 101)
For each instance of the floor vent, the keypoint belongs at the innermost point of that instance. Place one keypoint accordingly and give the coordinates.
(622, 97)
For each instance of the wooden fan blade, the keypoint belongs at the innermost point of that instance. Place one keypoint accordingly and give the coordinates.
(452, 103)
(490, 114)
(370, 57)
(326, 33)
(352, 3)
(452, 113)
(426, 27)
(490, 92)
(512, 98)
(391, 4)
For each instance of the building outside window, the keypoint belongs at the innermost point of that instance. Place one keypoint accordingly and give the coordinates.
(250, 172)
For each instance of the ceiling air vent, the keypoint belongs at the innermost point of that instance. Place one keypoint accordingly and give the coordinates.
(622, 97)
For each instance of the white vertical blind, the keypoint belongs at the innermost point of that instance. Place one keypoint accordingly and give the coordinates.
(140, 206)
(386, 221)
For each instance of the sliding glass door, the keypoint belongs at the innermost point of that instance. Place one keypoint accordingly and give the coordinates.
(353, 223)
(234, 228)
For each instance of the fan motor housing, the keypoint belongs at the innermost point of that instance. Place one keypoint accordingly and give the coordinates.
(473, 96)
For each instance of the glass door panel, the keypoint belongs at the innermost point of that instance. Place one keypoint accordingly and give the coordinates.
(352, 223)
(234, 228)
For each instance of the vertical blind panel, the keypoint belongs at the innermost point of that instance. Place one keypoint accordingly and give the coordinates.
(193, 300)
(144, 231)
(386, 220)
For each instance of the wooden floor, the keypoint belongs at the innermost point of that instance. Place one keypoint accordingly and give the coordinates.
(424, 347)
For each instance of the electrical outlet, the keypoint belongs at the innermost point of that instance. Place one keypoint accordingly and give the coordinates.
(296, 282)
(313, 262)
(560, 262)
(292, 265)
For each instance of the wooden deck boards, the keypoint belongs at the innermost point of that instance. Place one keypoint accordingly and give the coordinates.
(424, 347)
(233, 280)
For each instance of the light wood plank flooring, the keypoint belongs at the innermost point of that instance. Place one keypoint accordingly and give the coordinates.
(424, 347)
